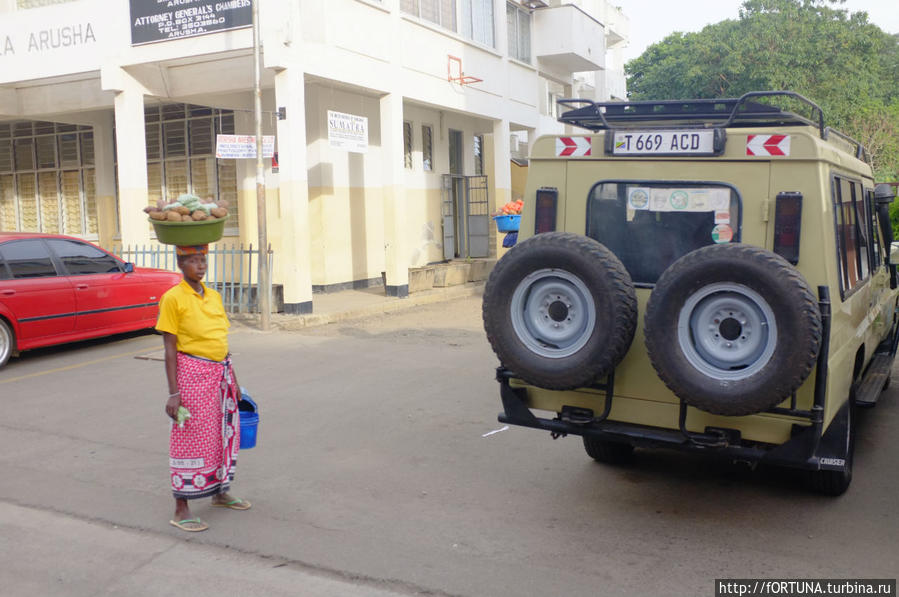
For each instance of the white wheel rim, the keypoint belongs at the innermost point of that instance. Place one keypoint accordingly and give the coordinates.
(5, 342)
(727, 331)
(553, 313)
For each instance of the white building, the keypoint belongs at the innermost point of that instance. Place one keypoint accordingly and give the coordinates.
(108, 105)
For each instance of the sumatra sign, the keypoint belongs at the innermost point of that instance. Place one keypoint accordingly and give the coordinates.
(348, 131)
(161, 20)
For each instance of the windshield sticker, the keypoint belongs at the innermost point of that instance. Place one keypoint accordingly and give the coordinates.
(722, 233)
(722, 217)
(638, 198)
(680, 199)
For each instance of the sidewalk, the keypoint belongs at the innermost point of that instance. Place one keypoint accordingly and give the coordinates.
(52, 554)
(352, 304)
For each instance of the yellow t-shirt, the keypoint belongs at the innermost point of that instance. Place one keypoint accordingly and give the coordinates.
(198, 322)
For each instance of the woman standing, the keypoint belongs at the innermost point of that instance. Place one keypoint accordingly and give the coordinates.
(202, 449)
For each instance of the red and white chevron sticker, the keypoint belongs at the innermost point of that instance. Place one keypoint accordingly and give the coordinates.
(573, 146)
(768, 145)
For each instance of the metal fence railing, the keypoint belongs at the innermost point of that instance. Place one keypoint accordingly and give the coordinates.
(232, 270)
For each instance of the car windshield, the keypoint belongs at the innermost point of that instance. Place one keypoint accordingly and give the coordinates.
(649, 225)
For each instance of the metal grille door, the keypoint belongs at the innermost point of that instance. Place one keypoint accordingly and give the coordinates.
(478, 216)
(448, 212)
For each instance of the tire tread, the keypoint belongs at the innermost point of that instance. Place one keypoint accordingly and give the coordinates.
(617, 282)
(805, 350)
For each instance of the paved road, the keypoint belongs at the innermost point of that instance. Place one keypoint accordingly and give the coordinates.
(373, 474)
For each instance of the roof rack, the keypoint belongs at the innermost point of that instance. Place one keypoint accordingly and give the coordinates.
(860, 152)
(700, 113)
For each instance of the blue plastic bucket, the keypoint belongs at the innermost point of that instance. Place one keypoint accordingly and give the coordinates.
(507, 223)
(249, 421)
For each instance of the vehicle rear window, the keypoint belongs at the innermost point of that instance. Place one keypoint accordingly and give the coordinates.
(649, 225)
(27, 259)
(82, 258)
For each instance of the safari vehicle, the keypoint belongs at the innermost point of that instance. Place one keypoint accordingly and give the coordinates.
(706, 275)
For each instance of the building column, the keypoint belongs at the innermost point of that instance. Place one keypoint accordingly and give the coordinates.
(396, 254)
(248, 220)
(131, 148)
(104, 174)
(501, 175)
(295, 260)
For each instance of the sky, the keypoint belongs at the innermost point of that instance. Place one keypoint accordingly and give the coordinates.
(653, 20)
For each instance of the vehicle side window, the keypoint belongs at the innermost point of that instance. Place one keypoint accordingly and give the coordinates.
(851, 222)
(27, 259)
(861, 218)
(876, 248)
(82, 258)
(4, 272)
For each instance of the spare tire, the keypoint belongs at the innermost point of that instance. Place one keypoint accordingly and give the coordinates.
(732, 329)
(560, 310)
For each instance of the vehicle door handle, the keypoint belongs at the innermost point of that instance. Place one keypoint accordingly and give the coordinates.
(7, 292)
(81, 286)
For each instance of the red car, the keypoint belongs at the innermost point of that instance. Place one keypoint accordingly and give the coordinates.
(56, 289)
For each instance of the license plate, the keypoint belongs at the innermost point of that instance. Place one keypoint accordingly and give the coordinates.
(694, 142)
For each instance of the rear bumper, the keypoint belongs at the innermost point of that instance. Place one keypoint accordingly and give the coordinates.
(807, 449)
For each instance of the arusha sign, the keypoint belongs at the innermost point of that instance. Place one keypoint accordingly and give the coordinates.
(67, 38)
(161, 20)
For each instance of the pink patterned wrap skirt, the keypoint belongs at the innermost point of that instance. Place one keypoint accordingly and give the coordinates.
(203, 453)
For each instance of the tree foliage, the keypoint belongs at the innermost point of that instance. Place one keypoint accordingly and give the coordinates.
(841, 61)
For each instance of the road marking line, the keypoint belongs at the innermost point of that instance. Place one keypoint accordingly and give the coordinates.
(68, 367)
(496, 431)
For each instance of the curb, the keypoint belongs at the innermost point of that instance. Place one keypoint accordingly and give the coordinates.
(381, 306)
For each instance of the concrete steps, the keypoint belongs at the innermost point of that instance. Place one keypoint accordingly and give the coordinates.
(451, 273)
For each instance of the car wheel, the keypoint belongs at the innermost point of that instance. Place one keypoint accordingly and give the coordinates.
(732, 329)
(560, 310)
(7, 342)
(608, 452)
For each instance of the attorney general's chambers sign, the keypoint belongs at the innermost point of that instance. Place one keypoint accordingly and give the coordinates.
(161, 20)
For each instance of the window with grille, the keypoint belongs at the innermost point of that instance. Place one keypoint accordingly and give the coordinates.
(477, 21)
(518, 22)
(180, 140)
(440, 12)
(47, 178)
(407, 144)
(427, 148)
(478, 151)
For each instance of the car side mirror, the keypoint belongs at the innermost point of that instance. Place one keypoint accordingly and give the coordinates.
(129, 267)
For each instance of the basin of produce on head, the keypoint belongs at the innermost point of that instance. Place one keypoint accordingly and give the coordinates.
(189, 233)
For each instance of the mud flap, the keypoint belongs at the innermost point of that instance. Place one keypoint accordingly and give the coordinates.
(834, 451)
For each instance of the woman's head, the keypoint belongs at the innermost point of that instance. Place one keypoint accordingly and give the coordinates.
(192, 261)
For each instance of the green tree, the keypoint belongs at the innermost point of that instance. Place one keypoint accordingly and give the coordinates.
(839, 60)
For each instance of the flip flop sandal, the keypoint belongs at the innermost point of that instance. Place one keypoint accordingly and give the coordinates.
(191, 525)
(238, 504)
